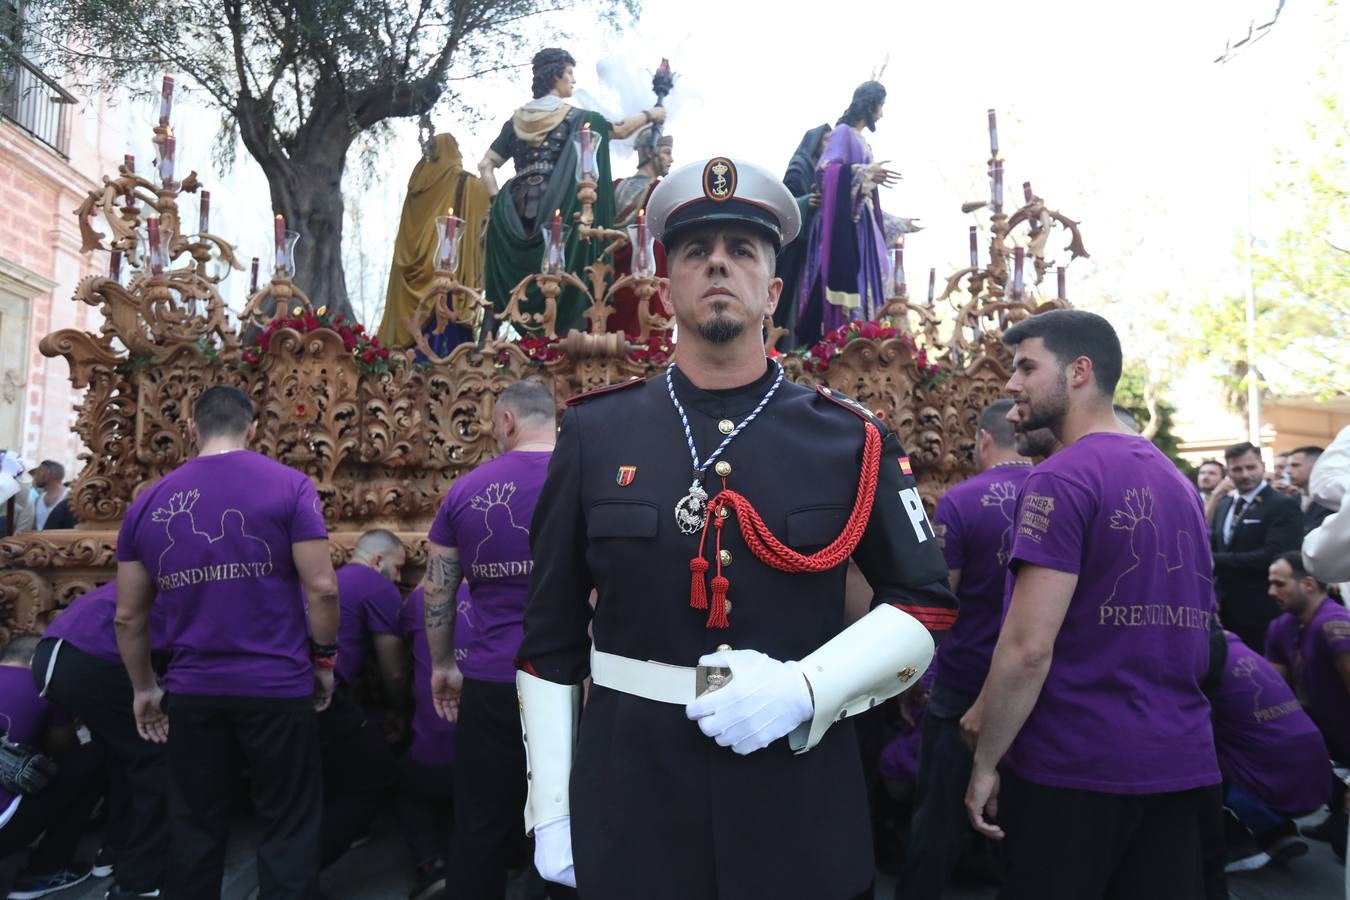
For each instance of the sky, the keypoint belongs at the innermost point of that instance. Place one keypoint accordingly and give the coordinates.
(1117, 114)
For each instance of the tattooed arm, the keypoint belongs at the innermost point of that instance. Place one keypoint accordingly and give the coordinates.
(440, 584)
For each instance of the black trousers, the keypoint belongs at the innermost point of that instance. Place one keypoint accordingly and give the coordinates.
(358, 774)
(939, 826)
(99, 693)
(425, 805)
(279, 740)
(58, 812)
(489, 789)
(1066, 844)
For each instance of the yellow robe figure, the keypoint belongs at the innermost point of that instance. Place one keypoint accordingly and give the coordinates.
(437, 184)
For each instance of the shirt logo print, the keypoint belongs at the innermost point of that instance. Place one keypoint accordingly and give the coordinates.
(1002, 494)
(500, 524)
(196, 557)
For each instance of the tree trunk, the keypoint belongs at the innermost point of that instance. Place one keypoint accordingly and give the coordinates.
(306, 188)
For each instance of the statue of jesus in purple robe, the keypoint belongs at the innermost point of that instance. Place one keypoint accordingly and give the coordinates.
(847, 267)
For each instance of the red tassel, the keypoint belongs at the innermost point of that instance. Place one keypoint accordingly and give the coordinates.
(717, 616)
(698, 592)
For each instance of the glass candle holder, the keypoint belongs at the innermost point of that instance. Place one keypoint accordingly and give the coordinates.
(555, 240)
(898, 270)
(285, 263)
(449, 230)
(586, 144)
(644, 252)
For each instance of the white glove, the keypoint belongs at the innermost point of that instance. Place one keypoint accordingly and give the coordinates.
(764, 700)
(553, 851)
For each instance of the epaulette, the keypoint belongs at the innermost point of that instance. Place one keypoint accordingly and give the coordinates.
(607, 389)
(851, 405)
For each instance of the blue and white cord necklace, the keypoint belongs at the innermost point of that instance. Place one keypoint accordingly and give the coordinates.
(692, 509)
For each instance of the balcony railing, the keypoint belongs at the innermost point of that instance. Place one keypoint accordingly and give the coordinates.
(33, 101)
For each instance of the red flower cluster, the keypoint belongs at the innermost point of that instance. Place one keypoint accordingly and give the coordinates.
(540, 348)
(818, 357)
(370, 355)
(656, 352)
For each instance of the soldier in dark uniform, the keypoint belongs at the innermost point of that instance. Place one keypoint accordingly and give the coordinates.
(713, 508)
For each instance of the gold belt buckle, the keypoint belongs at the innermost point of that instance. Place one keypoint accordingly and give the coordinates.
(710, 678)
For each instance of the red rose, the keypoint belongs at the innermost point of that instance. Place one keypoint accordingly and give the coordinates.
(384, 353)
(359, 328)
(368, 355)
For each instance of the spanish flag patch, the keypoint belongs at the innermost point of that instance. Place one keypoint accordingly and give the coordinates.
(905, 467)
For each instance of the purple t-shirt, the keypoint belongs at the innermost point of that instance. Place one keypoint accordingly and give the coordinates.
(215, 536)
(25, 715)
(1121, 711)
(433, 738)
(87, 624)
(486, 516)
(974, 521)
(370, 605)
(1309, 652)
(1267, 744)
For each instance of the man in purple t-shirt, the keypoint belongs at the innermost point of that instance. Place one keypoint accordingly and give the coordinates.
(77, 666)
(1309, 645)
(359, 769)
(1094, 690)
(1273, 759)
(974, 521)
(58, 809)
(426, 773)
(225, 544)
(481, 534)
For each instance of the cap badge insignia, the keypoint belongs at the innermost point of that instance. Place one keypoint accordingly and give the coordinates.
(719, 179)
(625, 476)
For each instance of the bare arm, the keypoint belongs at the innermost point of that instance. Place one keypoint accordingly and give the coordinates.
(1017, 673)
(315, 567)
(440, 583)
(487, 171)
(135, 595)
(630, 125)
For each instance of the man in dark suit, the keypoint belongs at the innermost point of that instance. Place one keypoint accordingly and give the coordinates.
(1251, 526)
(1301, 462)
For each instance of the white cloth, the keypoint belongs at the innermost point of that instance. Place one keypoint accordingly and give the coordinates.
(1228, 523)
(41, 510)
(764, 700)
(1326, 549)
(553, 851)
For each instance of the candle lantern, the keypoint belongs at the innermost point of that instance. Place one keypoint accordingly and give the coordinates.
(932, 285)
(993, 135)
(974, 248)
(253, 278)
(155, 246)
(164, 150)
(587, 143)
(165, 100)
(449, 228)
(1019, 256)
(285, 248)
(1061, 276)
(644, 254)
(204, 214)
(555, 262)
(898, 268)
(115, 266)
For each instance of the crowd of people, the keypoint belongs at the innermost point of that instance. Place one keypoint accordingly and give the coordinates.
(1147, 683)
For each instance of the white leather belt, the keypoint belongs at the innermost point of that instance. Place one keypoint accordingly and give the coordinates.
(653, 680)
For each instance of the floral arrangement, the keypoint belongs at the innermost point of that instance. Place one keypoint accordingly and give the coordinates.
(817, 358)
(370, 355)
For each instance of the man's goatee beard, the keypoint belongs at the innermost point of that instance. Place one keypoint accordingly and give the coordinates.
(720, 330)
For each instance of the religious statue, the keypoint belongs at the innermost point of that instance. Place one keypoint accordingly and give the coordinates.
(847, 268)
(800, 180)
(439, 186)
(541, 138)
(655, 157)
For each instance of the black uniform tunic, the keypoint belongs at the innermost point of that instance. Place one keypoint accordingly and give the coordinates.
(659, 810)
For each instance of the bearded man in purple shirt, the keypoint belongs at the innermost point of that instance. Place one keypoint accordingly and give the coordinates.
(1092, 719)
(481, 533)
(1309, 645)
(232, 545)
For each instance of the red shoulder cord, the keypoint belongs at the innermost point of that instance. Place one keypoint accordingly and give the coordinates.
(771, 551)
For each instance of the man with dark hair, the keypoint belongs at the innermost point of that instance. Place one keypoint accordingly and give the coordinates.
(51, 510)
(1093, 703)
(481, 534)
(77, 666)
(234, 546)
(1248, 529)
(57, 802)
(974, 522)
(1301, 462)
(1208, 477)
(717, 753)
(1279, 479)
(359, 769)
(1309, 645)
